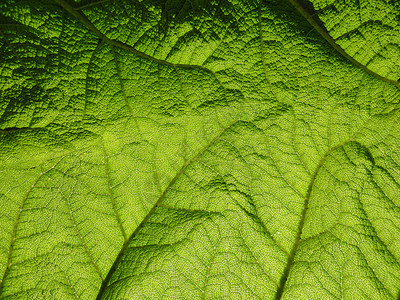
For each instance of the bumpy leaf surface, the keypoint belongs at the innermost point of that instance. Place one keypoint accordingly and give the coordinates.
(188, 149)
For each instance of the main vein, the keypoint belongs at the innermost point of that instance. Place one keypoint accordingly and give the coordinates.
(152, 210)
(15, 226)
(297, 242)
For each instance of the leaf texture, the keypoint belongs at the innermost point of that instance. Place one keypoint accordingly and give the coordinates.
(199, 150)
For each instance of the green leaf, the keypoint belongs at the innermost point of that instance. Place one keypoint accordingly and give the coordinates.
(199, 149)
(368, 32)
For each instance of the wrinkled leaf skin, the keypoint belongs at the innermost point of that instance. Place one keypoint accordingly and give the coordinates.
(173, 149)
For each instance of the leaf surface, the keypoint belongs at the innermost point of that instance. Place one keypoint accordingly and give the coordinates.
(198, 150)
